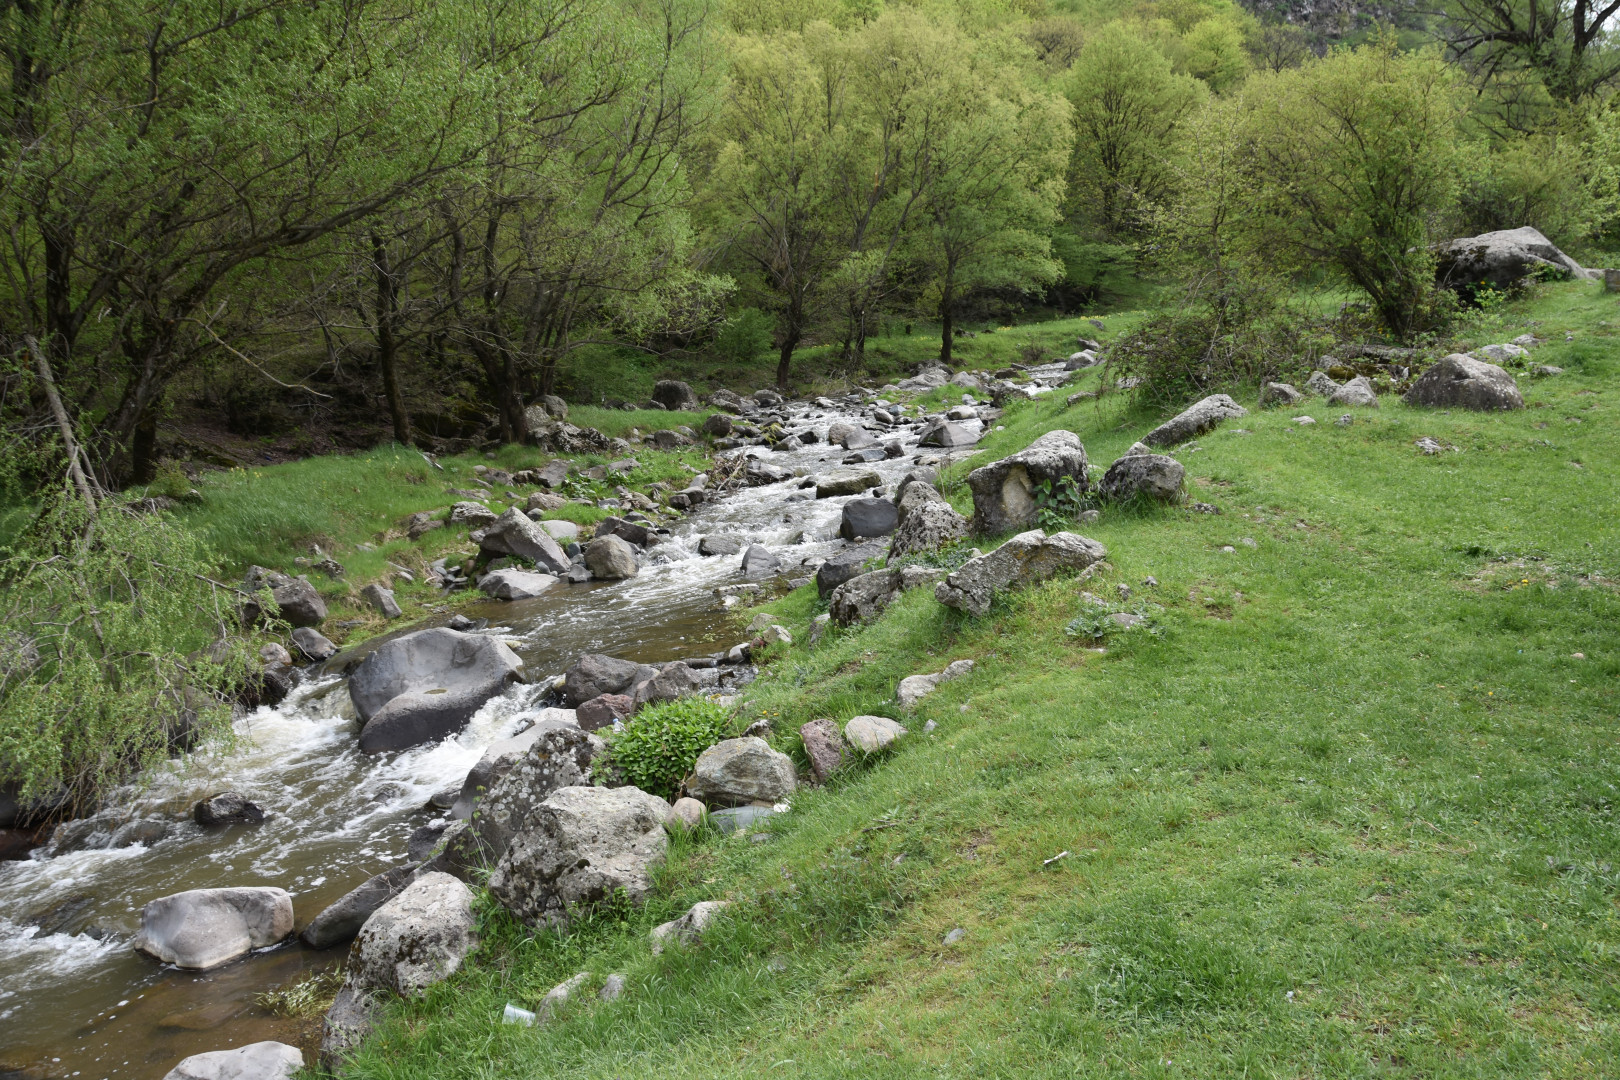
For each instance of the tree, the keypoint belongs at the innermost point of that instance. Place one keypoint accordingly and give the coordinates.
(1564, 45)
(1128, 108)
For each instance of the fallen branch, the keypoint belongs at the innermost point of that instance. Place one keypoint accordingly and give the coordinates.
(249, 361)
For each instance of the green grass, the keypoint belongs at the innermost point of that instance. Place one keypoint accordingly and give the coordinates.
(1350, 812)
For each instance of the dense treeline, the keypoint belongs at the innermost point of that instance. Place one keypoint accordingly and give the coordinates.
(466, 194)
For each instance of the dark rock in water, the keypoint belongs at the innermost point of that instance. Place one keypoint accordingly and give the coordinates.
(637, 534)
(15, 844)
(342, 920)
(868, 517)
(424, 840)
(145, 831)
(463, 624)
(673, 681)
(423, 686)
(313, 644)
(720, 544)
(594, 674)
(758, 562)
(227, 808)
(60, 917)
(866, 456)
(514, 534)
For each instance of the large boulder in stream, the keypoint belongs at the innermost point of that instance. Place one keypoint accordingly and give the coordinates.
(342, 920)
(255, 1061)
(204, 928)
(421, 687)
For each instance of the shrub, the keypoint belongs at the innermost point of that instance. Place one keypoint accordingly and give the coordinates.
(657, 749)
(745, 335)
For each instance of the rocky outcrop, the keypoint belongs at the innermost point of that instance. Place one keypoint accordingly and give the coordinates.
(1152, 476)
(1461, 382)
(1501, 259)
(611, 558)
(1004, 491)
(255, 1061)
(744, 770)
(204, 928)
(1199, 419)
(293, 599)
(1026, 559)
(587, 844)
(916, 687)
(514, 534)
(423, 686)
(342, 920)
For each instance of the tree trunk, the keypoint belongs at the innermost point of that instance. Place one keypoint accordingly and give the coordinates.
(947, 318)
(790, 341)
(143, 448)
(387, 344)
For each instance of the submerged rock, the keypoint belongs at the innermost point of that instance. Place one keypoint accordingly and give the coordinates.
(423, 686)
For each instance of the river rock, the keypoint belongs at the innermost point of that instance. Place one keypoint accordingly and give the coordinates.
(742, 771)
(587, 844)
(676, 396)
(1003, 491)
(949, 434)
(255, 1061)
(1358, 391)
(927, 527)
(295, 599)
(602, 710)
(416, 939)
(759, 473)
(720, 544)
(313, 644)
(1501, 259)
(1153, 476)
(856, 438)
(688, 929)
(824, 746)
(342, 920)
(758, 562)
(916, 687)
(423, 686)
(513, 584)
(611, 557)
(471, 514)
(911, 495)
(870, 734)
(594, 674)
(867, 518)
(1026, 559)
(845, 564)
(227, 808)
(850, 483)
(514, 534)
(674, 680)
(1461, 382)
(502, 755)
(837, 430)
(204, 928)
(717, 425)
(923, 475)
(1280, 393)
(631, 531)
(1202, 417)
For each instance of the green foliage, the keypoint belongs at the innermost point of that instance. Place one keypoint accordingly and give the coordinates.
(745, 336)
(1093, 621)
(308, 996)
(659, 745)
(1060, 503)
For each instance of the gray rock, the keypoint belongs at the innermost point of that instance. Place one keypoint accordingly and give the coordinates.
(1430, 446)
(295, 599)
(473, 515)
(1501, 354)
(416, 939)
(545, 503)
(921, 475)
(514, 534)
(926, 527)
(856, 438)
(502, 755)
(313, 644)
(1003, 491)
(1501, 259)
(381, 601)
(758, 562)
(687, 813)
(423, 686)
(554, 475)
(845, 564)
(204, 928)
(1321, 383)
(688, 929)
(676, 396)
(1462, 382)
(345, 1025)
(612, 988)
(603, 710)
(612, 558)
(818, 627)
(669, 440)
(1358, 391)
(718, 425)
(870, 734)
(949, 434)
(563, 532)
(144, 831)
(594, 674)
(675, 680)
(851, 483)
(863, 598)
(513, 584)
(741, 771)
(227, 808)
(255, 1061)
(1199, 419)
(758, 474)
(1154, 476)
(824, 746)
(631, 531)
(588, 844)
(916, 687)
(720, 544)
(867, 518)
(1280, 393)
(342, 920)
(1026, 559)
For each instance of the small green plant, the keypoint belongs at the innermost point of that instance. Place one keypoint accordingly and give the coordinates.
(308, 996)
(1097, 619)
(658, 747)
(1060, 503)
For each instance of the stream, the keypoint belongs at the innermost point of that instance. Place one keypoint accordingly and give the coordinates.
(77, 1001)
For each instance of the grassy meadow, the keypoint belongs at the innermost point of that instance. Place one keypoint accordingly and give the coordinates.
(1344, 805)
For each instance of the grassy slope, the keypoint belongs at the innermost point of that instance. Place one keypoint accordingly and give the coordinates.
(1350, 813)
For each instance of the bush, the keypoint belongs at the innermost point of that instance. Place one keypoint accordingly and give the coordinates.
(745, 335)
(657, 749)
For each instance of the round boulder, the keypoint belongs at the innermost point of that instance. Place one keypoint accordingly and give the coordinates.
(1153, 476)
(421, 687)
(204, 928)
(742, 771)
(611, 557)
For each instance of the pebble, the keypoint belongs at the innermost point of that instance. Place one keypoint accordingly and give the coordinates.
(1228, 549)
(1302, 420)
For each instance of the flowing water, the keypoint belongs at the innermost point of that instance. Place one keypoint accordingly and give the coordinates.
(77, 1001)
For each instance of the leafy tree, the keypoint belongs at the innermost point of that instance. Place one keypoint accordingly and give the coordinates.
(1565, 46)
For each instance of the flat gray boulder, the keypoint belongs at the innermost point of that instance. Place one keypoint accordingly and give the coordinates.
(1026, 559)
(423, 686)
(255, 1061)
(863, 598)
(720, 543)
(870, 734)
(1004, 491)
(588, 844)
(1461, 382)
(595, 674)
(851, 483)
(914, 688)
(313, 644)
(514, 534)
(513, 584)
(611, 558)
(204, 928)
(418, 938)
(342, 920)
(1358, 391)
(1200, 418)
(1154, 476)
(738, 771)
(1501, 259)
